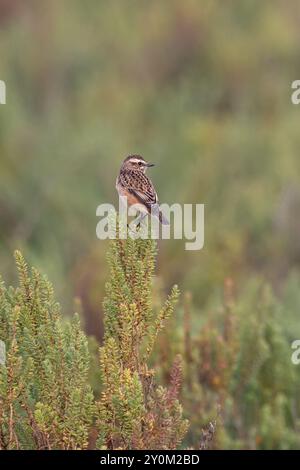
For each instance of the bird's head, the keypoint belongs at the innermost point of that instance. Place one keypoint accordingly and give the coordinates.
(136, 162)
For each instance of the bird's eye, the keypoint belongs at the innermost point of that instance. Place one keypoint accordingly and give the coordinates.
(140, 163)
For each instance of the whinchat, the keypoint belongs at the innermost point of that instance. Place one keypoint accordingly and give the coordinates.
(134, 184)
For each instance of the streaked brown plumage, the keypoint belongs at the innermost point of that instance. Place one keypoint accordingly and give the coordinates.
(133, 183)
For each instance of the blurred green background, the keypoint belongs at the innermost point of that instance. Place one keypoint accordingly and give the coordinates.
(201, 88)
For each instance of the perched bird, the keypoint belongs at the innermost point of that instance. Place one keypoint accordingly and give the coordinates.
(134, 184)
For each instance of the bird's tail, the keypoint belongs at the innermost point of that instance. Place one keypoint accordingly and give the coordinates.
(163, 220)
(155, 210)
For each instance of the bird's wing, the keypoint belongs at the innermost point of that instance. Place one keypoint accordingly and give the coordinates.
(140, 186)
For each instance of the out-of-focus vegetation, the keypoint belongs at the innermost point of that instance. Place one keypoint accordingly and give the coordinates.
(203, 90)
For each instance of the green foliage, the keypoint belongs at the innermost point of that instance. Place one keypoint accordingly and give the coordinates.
(203, 90)
(45, 399)
(133, 411)
(238, 372)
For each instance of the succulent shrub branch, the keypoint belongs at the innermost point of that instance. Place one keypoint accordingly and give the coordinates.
(45, 399)
(133, 411)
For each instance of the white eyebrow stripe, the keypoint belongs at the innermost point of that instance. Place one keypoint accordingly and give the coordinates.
(136, 160)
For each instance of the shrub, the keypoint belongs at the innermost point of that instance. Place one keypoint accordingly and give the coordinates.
(238, 371)
(46, 400)
(133, 411)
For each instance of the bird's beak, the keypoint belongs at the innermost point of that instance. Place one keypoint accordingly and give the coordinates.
(149, 165)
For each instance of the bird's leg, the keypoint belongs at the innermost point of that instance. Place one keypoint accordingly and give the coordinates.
(136, 223)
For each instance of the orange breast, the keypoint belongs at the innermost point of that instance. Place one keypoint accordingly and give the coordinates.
(131, 199)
